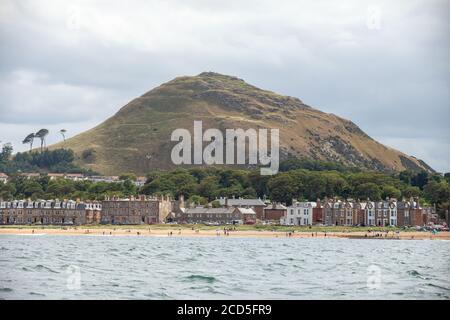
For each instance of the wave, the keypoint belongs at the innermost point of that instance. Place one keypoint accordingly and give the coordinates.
(198, 277)
(42, 267)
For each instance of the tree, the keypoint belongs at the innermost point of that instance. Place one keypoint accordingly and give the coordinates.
(405, 176)
(32, 188)
(7, 191)
(129, 188)
(411, 192)
(29, 139)
(216, 204)
(63, 133)
(282, 188)
(209, 187)
(437, 192)
(391, 192)
(420, 179)
(195, 199)
(41, 134)
(447, 177)
(368, 190)
(6, 153)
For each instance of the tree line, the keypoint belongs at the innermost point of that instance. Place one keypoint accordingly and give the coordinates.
(301, 179)
(58, 161)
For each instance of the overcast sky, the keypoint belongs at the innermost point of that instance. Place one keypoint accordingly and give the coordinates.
(382, 64)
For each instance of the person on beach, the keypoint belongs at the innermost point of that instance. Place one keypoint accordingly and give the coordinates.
(32, 231)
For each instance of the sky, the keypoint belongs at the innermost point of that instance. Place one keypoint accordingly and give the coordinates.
(382, 64)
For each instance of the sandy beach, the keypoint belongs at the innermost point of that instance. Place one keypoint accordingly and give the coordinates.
(184, 232)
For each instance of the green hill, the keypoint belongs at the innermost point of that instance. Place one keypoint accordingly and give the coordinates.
(137, 138)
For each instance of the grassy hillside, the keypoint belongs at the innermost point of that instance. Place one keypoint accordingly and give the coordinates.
(137, 138)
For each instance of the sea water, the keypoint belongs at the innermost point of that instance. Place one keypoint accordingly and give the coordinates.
(132, 267)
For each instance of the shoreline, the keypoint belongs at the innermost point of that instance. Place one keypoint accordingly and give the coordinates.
(180, 232)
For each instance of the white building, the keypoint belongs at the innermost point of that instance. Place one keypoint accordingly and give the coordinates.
(386, 213)
(369, 211)
(299, 213)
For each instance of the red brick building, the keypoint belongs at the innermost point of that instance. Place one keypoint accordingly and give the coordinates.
(274, 211)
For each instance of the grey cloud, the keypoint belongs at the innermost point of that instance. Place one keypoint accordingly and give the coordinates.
(392, 82)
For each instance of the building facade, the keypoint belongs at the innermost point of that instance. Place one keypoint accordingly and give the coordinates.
(142, 210)
(226, 215)
(274, 211)
(55, 212)
(299, 214)
(389, 212)
(256, 204)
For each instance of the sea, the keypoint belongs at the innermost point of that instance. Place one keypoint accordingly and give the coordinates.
(44, 266)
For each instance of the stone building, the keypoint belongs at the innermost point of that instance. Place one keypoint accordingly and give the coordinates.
(256, 204)
(142, 210)
(318, 213)
(93, 212)
(389, 212)
(248, 215)
(386, 212)
(67, 212)
(410, 213)
(228, 215)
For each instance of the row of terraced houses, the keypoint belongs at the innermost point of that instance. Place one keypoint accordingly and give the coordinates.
(389, 212)
(152, 210)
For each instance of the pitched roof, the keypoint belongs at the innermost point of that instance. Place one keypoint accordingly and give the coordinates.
(201, 210)
(277, 206)
(242, 202)
(246, 210)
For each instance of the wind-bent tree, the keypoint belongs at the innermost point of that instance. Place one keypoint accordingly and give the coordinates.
(41, 134)
(29, 139)
(63, 131)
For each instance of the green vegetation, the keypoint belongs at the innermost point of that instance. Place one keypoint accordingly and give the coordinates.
(19, 187)
(302, 180)
(58, 160)
(202, 185)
